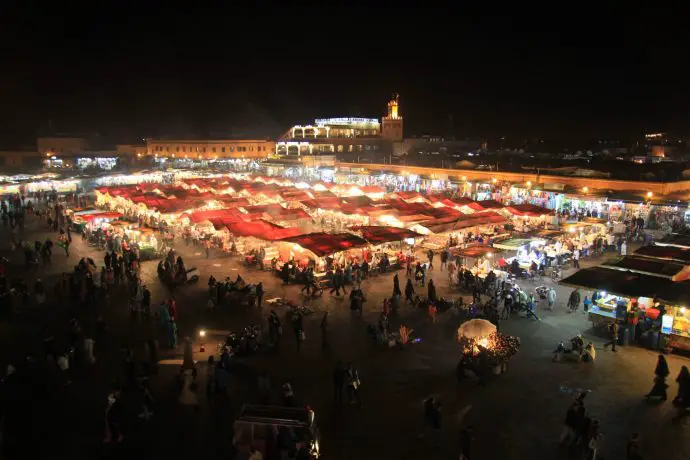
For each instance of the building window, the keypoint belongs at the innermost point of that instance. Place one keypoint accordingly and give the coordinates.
(177, 149)
(222, 149)
(213, 149)
(203, 149)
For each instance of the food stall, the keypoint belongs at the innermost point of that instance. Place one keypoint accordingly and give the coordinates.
(391, 241)
(317, 247)
(527, 250)
(481, 260)
(484, 350)
(644, 301)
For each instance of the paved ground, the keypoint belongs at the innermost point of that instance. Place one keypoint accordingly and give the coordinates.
(518, 415)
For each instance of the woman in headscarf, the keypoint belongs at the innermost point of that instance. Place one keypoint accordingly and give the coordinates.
(661, 372)
(683, 380)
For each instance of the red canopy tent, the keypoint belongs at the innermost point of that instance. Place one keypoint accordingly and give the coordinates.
(100, 215)
(262, 230)
(381, 234)
(323, 244)
(529, 210)
(217, 214)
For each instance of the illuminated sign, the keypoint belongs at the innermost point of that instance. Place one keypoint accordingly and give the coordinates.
(666, 324)
(346, 121)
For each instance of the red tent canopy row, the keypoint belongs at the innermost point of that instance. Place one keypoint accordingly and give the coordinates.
(380, 235)
(262, 230)
(217, 214)
(100, 215)
(330, 204)
(529, 210)
(324, 244)
(465, 221)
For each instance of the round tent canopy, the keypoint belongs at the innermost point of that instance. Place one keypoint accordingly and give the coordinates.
(476, 328)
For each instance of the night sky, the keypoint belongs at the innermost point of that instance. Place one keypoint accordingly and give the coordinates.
(135, 72)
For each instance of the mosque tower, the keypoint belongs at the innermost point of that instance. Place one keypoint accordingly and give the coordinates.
(392, 124)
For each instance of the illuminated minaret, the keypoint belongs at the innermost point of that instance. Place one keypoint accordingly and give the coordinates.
(392, 126)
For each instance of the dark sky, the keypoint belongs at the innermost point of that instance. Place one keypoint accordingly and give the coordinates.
(133, 72)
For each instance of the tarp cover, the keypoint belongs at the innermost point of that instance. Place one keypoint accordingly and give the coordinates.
(659, 267)
(323, 244)
(665, 252)
(379, 235)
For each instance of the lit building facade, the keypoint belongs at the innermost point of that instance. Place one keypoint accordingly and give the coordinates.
(344, 135)
(209, 149)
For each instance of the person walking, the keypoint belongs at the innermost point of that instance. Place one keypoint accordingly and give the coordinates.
(396, 285)
(574, 300)
(338, 383)
(576, 258)
(337, 282)
(353, 384)
(613, 330)
(632, 449)
(660, 373)
(146, 302)
(571, 425)
(585, 305)
(430, 256)
(259, 294)
(551, 299)
(444, 259)
(431, 292)
(683, 381)
(624, 248)
(409, 291)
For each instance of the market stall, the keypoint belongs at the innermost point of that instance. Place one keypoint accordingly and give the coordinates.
(321, 249)
(644, 302)
(484, 350)
(481, 260)
(526, 250)
(387, 240)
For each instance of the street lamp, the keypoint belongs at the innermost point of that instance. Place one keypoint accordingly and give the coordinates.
(202, 336)
(585, 189)
(650, 194)
(529, 183)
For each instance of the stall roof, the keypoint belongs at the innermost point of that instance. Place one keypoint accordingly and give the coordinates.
(100, 215)
(630, 284)
(262, 230)
(323, 244)
(665, 252)
(330, 204)
(464, 221)
(476, 251)
(529, 210)
(379, 235)
(675, 240)
(489, 204)
(645, 266)
(214, 214)
(513, 244)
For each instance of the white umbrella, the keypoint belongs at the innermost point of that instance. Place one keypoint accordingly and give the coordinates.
(476, 328)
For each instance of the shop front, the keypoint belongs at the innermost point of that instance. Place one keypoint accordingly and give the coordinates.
(650, 306)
